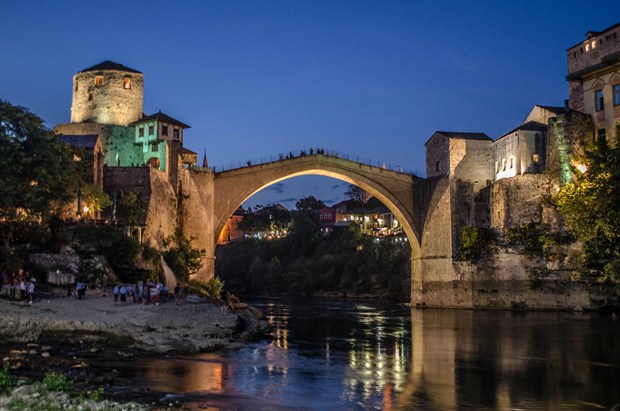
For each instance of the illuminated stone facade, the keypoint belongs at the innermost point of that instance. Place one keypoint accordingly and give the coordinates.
(594, 79)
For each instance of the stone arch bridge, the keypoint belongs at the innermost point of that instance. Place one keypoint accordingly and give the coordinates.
(211, 198)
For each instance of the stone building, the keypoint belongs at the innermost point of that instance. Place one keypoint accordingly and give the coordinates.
(594, 79)
(108, 125)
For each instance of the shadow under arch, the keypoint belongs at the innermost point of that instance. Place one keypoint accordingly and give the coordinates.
(394, 190)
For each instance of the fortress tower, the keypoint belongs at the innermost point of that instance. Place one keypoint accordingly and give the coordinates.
(108, 93)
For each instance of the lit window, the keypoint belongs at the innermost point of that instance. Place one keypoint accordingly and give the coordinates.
(175, 134)
(98, 81)
(76, 158)
(599, 103)
(151, 130)
(616, 92)
(587, 47)
(127, 82)
(535, 158)
(593, 44)
(141, 132)
(164, 130)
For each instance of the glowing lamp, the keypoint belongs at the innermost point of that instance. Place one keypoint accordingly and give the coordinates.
(582, 168)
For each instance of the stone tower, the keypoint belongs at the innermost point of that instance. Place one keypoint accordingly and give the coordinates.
(108, 93)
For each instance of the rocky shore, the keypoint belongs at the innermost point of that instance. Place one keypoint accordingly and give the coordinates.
(193, 326)
(75, 337)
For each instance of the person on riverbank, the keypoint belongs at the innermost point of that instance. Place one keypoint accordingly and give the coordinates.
(81, 290)
(23, 289)
(123, 293)
(115, 293)
(177, 294)
(31, 290)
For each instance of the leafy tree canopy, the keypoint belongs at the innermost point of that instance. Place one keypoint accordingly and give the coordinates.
(309, 203)
(37, 172)
(590, 206)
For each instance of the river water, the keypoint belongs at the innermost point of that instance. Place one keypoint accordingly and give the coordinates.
(337, 355)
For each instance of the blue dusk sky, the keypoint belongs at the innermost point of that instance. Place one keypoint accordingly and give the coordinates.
(258, 78)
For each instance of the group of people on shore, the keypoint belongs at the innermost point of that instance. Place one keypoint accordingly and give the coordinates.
(23, 282)
(147, 292)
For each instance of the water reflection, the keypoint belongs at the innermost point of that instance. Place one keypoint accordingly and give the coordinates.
(504, 360)
(340, 355)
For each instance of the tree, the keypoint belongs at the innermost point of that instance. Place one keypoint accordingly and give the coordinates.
(129, 209)
(357, 194)
(309, 203)
(589, 205)
(183, 259)
(37, 173)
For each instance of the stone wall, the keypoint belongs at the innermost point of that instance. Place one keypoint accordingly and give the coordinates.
(522, 199)
(504, 280)
(110, 103)
(156, 194)
(437, 156)
(569, 133)
(196, 218)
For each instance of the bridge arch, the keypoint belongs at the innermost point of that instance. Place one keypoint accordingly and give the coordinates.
(397, 191)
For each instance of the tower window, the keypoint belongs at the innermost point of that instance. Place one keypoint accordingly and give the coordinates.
(599, 103)
(154, 148)
(90, 95)
(127, 83)
(151, 130)
(616, 91)
(164, 130)
(535, 158)
(141, 132)
(512, 162)
(175, 134)
(98, 81)
(437, 166)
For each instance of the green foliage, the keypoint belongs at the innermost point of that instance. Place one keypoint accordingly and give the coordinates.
(183, 259)
(211, 290)
(7, 381)
(53, 381)
(265, 220)
(342, 262)
(474, 242)
(309, 203)
(589, 205)
(37, 173)
(95, 199)
(129, 208)
(113, 243)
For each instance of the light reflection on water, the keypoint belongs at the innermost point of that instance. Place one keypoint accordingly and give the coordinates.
(342, 355)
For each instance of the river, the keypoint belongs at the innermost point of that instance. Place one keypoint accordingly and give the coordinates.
(337, 355)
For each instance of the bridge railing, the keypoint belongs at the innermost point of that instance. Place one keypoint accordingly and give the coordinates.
(312, 152)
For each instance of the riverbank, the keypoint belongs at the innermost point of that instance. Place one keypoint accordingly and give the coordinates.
(74, 338)
(192, 326)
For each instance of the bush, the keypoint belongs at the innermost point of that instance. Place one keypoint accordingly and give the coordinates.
(474, 242)
(211, 290)
(6, 380)
(57, 382)
(183, 259)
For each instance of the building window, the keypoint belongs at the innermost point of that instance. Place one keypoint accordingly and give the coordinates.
(127, 83)
(599, 103)
(535, 158)
(496, 167)
(512, 162)
(601, 134)
(151, 130)
(616, 91)
(154, 148)
(98, 81)
(141, 132)
(90, 95)
(437, 166)
(175, 134)
(504, 164)
(164, 130)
